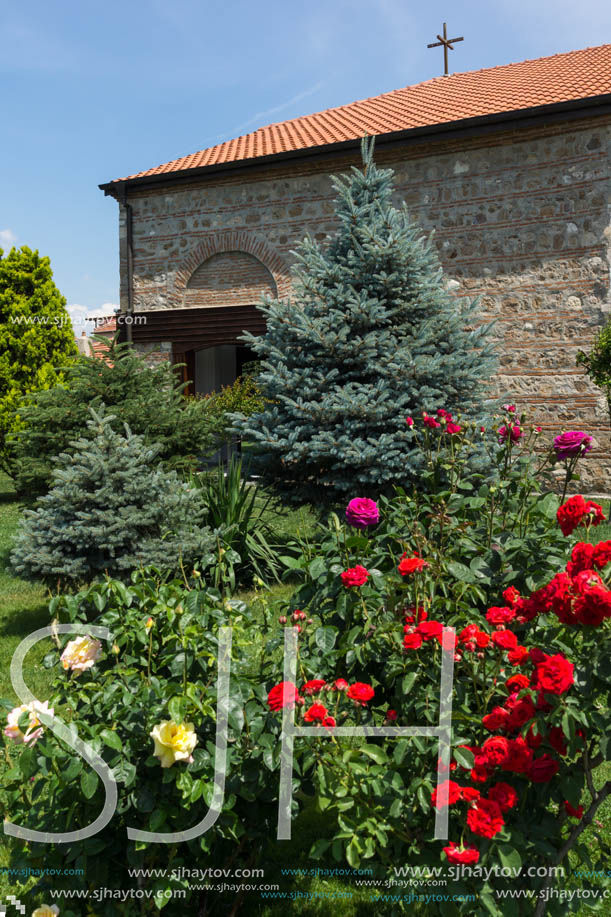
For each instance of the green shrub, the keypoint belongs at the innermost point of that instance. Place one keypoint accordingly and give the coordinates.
(235, 508)
(243, 396)
(148, 398)
(597, 361)
(110, 510)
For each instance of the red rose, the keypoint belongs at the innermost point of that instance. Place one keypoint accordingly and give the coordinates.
(526, 610)
(355, 576)
(467, 855)
(469, 793)
(514, 433)
(518, 682)
(479, 772)
(497, 719)
(467, 634)
(430, 421)
(593, 606)
(316, 712)
(360, 692)
(595, 513)
(329, 722)
(416, 615)
(533, 740)
(485, 818)
(571, 810)
(517, 655)
(497, 615)
(506, 639)
(314, 686)
(453, 428)
(412, 641)
(543, 769)
(504, 795)
(411, 564)
(582, 558)
(340, 684)
(602, 553)
(282, 694)
(495, 751)
(587, 579)
(428, 630)
(447, 793)
(521, 710)
(554, 675)
(511, 595)
(519, 756)
(571, 513)
(576, 511)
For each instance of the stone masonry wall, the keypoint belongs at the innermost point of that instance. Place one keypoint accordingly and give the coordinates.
(522, 220)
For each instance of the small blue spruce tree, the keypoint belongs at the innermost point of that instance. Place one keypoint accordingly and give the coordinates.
(369, 337)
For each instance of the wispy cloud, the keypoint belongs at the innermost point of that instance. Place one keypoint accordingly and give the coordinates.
(82, 317)
(263, 116)
(7, 238)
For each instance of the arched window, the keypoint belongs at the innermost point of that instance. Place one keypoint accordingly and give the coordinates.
(229, 279)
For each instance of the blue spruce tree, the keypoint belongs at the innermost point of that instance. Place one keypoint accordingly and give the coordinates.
(112, 508)
(369, 337)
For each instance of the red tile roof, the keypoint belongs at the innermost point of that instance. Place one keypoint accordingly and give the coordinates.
(108, 327)
(512, 87)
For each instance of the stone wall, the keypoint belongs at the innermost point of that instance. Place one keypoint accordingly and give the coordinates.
(522, 221)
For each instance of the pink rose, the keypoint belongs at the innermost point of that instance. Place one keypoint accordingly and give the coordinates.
(572, 443)
(362, 512)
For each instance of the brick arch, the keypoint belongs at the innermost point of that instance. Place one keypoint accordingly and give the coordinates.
(232, 241)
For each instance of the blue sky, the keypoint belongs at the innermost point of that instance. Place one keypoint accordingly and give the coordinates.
(93, 91)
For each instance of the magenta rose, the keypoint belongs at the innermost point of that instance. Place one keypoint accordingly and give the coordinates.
(572, 443)
(362, 512)
(514, 433)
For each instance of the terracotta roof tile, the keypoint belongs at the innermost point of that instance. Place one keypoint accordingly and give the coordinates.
(496, 90)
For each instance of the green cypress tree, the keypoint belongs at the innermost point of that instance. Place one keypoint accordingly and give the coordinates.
(111, 510)
(36, 336)
(369, 337)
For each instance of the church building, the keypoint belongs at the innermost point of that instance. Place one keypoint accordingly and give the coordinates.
(510, 166)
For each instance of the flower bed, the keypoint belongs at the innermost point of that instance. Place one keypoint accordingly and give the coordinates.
(475, 569)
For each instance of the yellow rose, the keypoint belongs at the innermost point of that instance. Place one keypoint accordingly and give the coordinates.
(46, 910)
(80, 654)
(174, 742)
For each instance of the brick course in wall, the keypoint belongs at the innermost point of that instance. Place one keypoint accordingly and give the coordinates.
(522, 221)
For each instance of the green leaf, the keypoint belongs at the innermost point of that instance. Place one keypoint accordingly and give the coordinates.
(464, 757)
(111, 739)
(89, 783)
(460, 572)
(374, 752)
(408, 682)
(509, 856)
(325, 638)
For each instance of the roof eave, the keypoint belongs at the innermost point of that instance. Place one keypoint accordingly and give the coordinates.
(556, 111)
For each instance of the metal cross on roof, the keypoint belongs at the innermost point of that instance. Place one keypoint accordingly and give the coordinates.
(447, 43)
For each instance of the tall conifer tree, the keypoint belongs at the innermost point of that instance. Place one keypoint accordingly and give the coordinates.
(369, 337)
